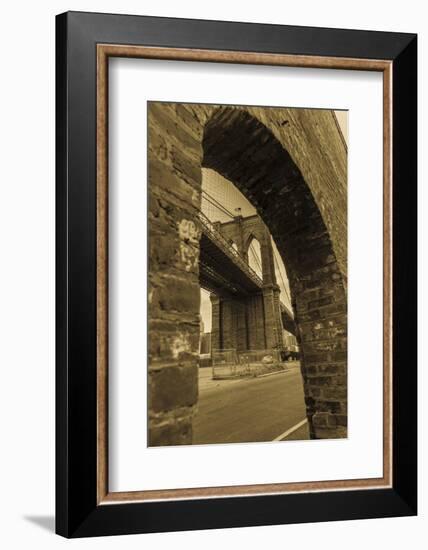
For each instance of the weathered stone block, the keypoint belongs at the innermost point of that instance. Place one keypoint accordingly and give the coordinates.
(174, 432)
(338, 432)
(173, 387)
(172, 340)
(324, 420)
(337, 392)
(177, 295)
(163, 251)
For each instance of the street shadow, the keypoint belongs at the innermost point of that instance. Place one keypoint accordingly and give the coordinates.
(45, 522)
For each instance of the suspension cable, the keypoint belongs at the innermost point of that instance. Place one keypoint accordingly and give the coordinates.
(216, 206)
(214, 202)
(256, 257)
(280, 274)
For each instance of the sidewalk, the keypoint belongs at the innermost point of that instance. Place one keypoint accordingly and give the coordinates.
(206, 382)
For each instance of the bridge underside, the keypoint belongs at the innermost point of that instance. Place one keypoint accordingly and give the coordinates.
(219, 272)
(246, 314)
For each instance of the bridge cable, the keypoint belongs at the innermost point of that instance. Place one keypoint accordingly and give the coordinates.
(215, 206)
(256, 257)
(217, 203)
(280, 274)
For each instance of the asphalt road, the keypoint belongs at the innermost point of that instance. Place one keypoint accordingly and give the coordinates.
(256, 409)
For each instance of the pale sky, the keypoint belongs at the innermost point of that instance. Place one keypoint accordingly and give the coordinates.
(342, 119)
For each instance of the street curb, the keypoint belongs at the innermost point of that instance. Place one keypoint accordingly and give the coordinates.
(256, 376)
(273, 373)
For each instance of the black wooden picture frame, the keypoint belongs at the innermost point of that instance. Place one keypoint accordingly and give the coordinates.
(79, 512)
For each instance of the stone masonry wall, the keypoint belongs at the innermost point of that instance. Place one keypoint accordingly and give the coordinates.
(174, 198)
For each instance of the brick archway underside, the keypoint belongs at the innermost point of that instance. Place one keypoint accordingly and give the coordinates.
(234, 143)
(244, 151)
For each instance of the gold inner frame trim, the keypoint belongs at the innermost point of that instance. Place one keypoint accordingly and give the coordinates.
(104, 51)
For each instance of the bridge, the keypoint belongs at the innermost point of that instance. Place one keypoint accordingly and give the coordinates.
(247, 312)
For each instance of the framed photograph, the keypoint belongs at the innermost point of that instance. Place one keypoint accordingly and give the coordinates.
(236, 274)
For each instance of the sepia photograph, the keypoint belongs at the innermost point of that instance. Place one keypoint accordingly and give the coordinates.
(247, 296)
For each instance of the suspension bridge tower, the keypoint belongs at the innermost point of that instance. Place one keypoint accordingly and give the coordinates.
(248, 320)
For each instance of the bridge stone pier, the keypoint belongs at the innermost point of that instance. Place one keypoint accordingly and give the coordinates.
(248, 321)
(291, 166)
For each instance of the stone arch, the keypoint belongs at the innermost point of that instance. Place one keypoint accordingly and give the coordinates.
(257, 230)
(244, 151)
(254, 156)
(248, 239)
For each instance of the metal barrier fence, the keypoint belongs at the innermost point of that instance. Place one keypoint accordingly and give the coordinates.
(225, 363)
(228, 363)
